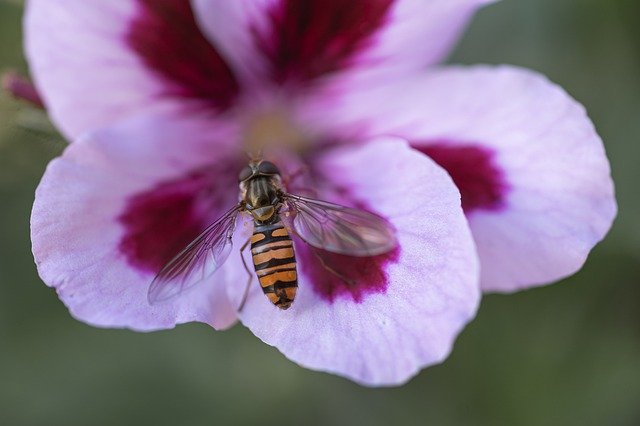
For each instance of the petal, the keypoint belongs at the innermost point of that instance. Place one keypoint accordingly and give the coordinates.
(120, 203)
(531, 168)
(405, 308)
(95, 62)
(289, 40)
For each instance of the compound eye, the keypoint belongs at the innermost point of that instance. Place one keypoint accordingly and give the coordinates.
(268, 168)
(245, 174)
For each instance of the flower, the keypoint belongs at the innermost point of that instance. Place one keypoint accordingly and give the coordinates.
(158, 96)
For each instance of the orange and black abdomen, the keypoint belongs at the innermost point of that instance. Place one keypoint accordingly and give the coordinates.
(275, 263)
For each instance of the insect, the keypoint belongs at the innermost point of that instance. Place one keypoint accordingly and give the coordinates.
(322, 225)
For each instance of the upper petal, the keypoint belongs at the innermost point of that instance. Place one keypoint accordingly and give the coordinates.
(119, 204)
(289, 40)
(95, 62)
(531, 168)
(392, 314)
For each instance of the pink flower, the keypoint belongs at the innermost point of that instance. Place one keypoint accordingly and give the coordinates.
(158, 96)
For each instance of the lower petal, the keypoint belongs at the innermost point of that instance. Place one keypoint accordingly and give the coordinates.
(120, 203)
(395, 313)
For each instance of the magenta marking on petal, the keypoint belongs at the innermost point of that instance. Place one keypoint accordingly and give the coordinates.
(308, 39)
(362, 276)
(357, 277)
(160, 222)
(473, 168)
(168, 40)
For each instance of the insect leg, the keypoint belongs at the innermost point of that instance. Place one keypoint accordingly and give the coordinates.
(246, 268)
(330, 269)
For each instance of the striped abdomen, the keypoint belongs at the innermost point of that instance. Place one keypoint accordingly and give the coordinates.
(275, 263)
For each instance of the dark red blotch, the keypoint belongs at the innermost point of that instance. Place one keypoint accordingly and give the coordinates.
(165, 35)
(474, 170)
(341, 276)
(160, 222)
(359, 276)
(310, 38)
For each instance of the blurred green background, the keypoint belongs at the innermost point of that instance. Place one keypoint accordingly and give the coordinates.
(567, 354)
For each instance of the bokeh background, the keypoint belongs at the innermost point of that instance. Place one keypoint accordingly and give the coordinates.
(566, 354)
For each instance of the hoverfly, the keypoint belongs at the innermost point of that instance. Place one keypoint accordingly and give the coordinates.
(322, 225)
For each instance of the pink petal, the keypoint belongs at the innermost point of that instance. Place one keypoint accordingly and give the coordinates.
(94, 63)
(405, 309)
(289, 40)
(121, 202)
(531, 168)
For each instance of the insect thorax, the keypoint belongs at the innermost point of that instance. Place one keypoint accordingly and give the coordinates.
(260, 197)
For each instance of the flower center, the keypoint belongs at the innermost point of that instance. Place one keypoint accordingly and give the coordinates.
(273, 128)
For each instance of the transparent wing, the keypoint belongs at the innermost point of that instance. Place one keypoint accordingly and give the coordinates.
(340, 229)
(201, 258)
